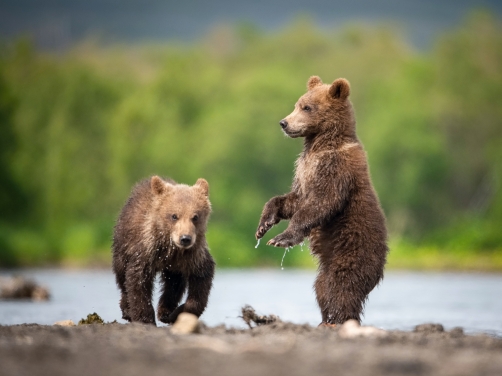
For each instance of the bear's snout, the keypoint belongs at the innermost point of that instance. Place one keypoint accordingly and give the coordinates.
(283, 123)
(185, 240)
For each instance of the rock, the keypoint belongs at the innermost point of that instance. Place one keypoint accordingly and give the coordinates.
(65, 323)
(352, 329)
(457, 332)
(186, 323)
(429, 328)
(40, 293)
(18, 287)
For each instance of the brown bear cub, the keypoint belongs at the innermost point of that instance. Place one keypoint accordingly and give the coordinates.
(161, 229)
(332, 202)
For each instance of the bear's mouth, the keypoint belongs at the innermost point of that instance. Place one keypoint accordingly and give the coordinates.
(183, 243)
(292, 134)
(183, 247)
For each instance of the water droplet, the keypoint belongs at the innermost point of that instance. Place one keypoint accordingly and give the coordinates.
(257, 243)
(284, 255)
(301, 245)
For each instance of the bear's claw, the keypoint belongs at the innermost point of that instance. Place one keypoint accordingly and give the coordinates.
(262, 229)
(327, 325)
(259, 233)
(126, 317)
(164, 316)
(170, 317)
(285, 240)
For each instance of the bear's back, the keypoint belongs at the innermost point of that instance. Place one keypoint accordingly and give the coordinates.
(129, 229)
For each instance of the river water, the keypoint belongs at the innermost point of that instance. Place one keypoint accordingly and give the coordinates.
(401, 301)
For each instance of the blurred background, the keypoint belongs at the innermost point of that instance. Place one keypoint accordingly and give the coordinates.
(96, 95)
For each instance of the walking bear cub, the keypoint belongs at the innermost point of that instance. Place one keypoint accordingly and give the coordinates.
(332, 202)
(161, 229)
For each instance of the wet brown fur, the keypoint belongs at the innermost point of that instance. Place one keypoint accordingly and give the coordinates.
(332, 202)
(147, 241)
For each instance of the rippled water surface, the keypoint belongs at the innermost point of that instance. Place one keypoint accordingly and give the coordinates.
(403, 299)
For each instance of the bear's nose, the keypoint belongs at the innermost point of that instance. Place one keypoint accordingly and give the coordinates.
(283, 123)
(185, 240)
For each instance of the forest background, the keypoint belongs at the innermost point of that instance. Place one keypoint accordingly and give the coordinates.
(79, 127)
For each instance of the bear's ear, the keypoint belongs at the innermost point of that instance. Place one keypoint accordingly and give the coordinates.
(340, 89)
(313, 82)
(203, 185)
(158, 185)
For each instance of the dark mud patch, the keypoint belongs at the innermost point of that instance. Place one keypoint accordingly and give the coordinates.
(279, 348)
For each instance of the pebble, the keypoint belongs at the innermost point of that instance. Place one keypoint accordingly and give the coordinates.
(352, 329)
(65, 323)
(429, 328)
(186, 323)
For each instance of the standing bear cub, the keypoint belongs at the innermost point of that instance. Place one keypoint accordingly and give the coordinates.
(161, 229)
(332, 202)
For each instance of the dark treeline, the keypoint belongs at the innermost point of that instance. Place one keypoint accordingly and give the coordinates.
(78, 129)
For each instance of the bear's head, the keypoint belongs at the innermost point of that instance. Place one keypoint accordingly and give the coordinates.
(180, 211)
(324, 108)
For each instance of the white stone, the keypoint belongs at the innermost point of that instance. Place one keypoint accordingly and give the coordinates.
(186, 323)
(352, 329)
(65, 323)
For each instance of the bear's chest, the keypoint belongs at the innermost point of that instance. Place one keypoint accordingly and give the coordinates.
(305, 173)
(185, 262)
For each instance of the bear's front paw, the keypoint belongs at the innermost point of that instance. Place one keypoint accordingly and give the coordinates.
(126, 316)
(171, 317)
(286, 239)
(262, 230)
(163, 315)
(264, 226)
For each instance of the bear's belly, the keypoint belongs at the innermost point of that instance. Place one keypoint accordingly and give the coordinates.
(349, 234)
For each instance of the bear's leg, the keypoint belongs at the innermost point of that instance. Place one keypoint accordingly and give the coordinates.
(173, 287)
(139, 285)
(124, 306)
(119, 269)
(340, 295)
(199, 288)
(276, 209)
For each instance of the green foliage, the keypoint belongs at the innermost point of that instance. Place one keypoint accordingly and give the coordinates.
(12, 202)
(406, 255)
(79, 129)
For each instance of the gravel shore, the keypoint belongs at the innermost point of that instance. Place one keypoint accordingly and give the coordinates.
(275, 349)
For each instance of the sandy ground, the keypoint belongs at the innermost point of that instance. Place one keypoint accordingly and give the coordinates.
(274, 349)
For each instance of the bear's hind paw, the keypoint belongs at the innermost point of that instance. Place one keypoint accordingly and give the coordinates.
(126, 317)
(327, 325)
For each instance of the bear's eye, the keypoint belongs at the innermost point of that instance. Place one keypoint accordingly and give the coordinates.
(195, 218)
(174, 217)
(307, 108)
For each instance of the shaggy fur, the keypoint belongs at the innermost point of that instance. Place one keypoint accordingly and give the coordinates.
(161, 229)
(332, 202)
